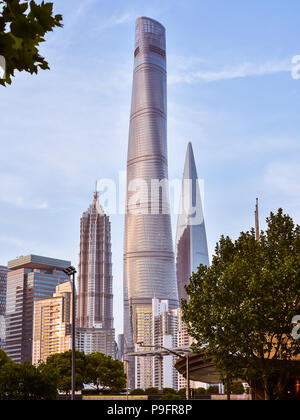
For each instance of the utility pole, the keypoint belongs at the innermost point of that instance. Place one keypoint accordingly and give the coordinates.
(256, 221)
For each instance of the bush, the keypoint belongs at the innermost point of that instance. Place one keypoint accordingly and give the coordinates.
(200, 391)
(169, 391)
(213, 390)
(137, 391)
(151, 391)
(168, 396)
(182, 392)
(24, 381)
(236, 388)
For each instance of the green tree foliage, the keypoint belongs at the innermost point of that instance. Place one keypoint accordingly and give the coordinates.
(171, 396)
(241, 307)
(236, 388)
(213, 390)
(25, 381)
(151, 391)
(200, 391)
(4, 358)
(103, 371)
(168, 391)
(182, 392)
(137, 391)
(62, 364)
(23, 26)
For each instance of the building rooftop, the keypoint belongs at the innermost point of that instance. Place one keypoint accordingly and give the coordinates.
(37, 261)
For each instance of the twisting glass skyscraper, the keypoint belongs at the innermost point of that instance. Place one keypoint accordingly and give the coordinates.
(149, 268)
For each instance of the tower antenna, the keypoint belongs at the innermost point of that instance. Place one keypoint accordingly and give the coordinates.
(96, 192)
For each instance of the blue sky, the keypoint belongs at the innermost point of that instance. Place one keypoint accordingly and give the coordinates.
(230, 92)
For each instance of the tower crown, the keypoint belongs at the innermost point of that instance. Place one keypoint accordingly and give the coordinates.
(150, 42)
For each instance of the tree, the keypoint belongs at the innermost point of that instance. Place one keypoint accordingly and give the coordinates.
(151, 391)
(213, 390)
(26, 382)
(168, 391)
(23, 26)
(61, 363)
(236, 388)
(171, 396)
(137, 391)
(242, 306)
(106, 372)
(182, 392)
(4, 358)
(200, 391)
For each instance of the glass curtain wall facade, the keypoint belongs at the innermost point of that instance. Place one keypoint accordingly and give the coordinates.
(191, 242)
(3, 280)
(149, 269)
(30, 278)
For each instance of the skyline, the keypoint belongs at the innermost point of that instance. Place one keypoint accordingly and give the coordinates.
(240, 108)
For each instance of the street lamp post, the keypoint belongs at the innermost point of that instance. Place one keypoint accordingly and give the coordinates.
(71, 271)
(188, 392)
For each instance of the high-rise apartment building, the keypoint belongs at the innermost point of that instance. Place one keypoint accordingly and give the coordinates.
(184, 340)
(158, 328)
(3, 280)
(191, 242)
(95, 331)
(52, 324)
(28, 279)
(164, 334)
(149, 269)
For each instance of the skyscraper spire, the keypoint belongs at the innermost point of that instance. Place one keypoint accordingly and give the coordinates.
(191, 242)
(96, 193)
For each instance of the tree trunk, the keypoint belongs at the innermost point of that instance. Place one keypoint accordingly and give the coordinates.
(266, 390)
(228, 388)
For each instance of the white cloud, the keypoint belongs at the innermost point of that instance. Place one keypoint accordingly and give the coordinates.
(116, 20)
(247, 69)
(17, 192)
(221, 136)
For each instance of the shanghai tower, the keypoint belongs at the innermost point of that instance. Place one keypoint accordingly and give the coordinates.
(149, 265)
